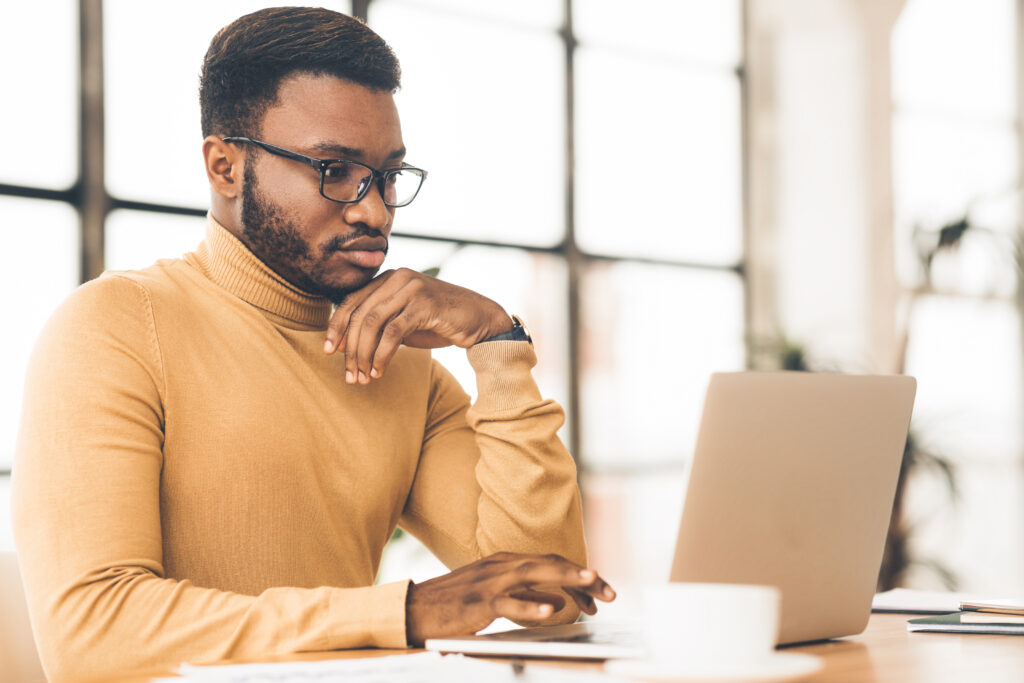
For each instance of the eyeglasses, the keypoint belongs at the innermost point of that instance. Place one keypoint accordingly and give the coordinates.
(347, 182)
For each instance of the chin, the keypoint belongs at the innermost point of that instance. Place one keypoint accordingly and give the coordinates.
(358, 280)
(337, 291)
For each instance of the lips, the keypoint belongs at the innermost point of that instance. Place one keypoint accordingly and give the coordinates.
(366, 244)
(363, 259)
(365, 252)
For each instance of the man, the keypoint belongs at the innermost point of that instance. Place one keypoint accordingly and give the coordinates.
(211, 461)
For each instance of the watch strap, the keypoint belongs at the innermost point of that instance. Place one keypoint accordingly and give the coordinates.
(517, 333)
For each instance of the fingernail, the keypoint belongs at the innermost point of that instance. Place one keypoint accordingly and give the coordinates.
(349, 377)
(374, 373)
(608, 592)
(328, 347)
(363, 379)
(587, 574)
(545, 610)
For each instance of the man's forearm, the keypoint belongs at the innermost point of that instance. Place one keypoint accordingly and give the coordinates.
(123, 618)
(529, 500)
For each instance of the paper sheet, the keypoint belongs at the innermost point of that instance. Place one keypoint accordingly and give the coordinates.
(907, 601)
(426, 667)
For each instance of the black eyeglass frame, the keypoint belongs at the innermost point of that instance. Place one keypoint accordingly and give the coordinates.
(379, 178)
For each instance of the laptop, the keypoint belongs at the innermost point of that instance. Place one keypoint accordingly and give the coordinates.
(792, 485)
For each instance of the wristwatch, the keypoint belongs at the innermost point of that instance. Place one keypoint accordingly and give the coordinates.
(517, 333)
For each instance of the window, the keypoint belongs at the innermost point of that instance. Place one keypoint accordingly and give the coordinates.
(586, 177)
(45, 236)
(482, 107)
(43, 152)
(956, 154)
(640, 244)
(151, 84)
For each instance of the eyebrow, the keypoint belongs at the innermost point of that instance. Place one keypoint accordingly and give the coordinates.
(336, 151)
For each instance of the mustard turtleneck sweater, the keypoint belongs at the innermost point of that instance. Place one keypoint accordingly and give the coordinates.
(194, 480)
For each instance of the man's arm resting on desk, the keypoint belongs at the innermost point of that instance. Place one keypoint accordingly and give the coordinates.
(496, 478)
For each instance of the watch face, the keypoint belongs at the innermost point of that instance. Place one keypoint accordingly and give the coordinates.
(518, 324)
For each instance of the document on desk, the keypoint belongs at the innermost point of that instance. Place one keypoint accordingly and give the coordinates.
(955, 623)
(908, 601)
(426, 667)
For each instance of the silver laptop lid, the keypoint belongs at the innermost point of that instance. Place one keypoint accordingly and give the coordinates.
(792, 485)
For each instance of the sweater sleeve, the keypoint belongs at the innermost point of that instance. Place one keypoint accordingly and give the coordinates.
(495, 476)
(86, 487)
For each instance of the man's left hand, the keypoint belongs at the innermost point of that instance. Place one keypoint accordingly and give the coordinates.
(405, 307)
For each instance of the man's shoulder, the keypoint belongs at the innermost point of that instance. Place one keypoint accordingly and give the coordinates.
(117, 293)
(164, 275)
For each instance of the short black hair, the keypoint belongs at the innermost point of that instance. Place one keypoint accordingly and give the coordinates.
(250, 57)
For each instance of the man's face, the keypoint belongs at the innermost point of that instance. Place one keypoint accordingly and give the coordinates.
(322, 247)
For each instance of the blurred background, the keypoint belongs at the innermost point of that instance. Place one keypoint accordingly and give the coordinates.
(661, 189)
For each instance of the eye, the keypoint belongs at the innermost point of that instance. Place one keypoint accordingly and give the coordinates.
(338, 173)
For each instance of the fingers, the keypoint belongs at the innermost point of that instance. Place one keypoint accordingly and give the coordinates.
(391, 337)
(360, 323)
(582, 600)
(339, 322)
(520, 610)
(555, 570)
(382, 318)
(371, 323)
(514, 586)
(556, 601)
(600, 589)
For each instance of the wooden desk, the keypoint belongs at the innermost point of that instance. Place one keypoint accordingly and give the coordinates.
(884, 652)
(887, 652)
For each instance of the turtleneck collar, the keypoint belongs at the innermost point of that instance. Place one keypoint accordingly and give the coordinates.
(228, 263)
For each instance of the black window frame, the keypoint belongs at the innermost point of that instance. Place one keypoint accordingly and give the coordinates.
(93, 203)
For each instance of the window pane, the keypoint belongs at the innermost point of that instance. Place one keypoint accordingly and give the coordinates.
(39, 51)
(696, 30)
(966, 355)
(657, 160)
(535, 13)
(137, 239)
(652, 336)
(956, 153)
(152, 68)
(44, 237)
(977, 541)
(943, 168)
(488, 128)
(528, 284)
(956, 57)
(632, 521)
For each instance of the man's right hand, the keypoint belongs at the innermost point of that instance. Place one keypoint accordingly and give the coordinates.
(502, 585)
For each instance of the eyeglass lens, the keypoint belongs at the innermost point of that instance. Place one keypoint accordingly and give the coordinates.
(343, 181)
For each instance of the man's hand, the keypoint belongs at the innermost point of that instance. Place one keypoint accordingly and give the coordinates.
(502, 585)
(405, 307)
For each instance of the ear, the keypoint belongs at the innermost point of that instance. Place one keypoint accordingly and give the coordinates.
(225, 166)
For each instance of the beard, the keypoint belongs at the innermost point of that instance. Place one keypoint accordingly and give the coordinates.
(273, 238)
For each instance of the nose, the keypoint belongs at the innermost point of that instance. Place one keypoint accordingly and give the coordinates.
(370, 211)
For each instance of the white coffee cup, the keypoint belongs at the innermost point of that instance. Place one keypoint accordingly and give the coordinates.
(706, 626)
